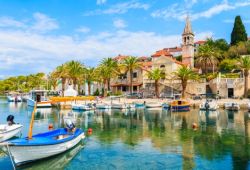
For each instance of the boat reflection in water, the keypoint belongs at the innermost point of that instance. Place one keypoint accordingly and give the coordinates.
(56, 162)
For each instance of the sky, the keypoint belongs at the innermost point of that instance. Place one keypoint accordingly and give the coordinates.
(38, 35)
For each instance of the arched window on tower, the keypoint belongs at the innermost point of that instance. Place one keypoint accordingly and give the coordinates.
(162, 66)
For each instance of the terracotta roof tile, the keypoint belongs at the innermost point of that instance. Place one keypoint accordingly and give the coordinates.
(200, 42)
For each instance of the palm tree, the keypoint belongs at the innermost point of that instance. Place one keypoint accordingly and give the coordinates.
(110, 65)
(102, 75)
(62, 73)
(156, 75)
(244, 65)
(90, 76)
(131, 63)
(52, 80)
(207, 55)
(75, 70)
(184, 74)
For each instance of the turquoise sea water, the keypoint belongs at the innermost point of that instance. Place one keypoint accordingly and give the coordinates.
(142, 139)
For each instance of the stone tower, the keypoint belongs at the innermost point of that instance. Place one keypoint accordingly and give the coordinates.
(188, 45)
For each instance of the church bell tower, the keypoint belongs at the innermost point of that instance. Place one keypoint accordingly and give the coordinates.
(188, 45)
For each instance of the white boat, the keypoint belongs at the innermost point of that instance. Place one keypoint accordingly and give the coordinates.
(153, 105)
(232, 106)
(38, 97)
(209, 105)
(118, 105)
(9, 131)
(81, 107)
(14, 98)
(102, 106)
(43, 145)
(10, 98)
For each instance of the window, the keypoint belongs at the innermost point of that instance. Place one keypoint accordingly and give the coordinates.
(135, 75)
(122, 76)
(134, 88)
(162, 66)
(124, 88)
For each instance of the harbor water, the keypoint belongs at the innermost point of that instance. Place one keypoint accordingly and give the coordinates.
(141, 139)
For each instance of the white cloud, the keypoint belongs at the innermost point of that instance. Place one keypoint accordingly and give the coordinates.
(100, 2)
(10, 22)
(83, 29)
(178, 11)
(119, 8)
(28, 52)
(44, 23)
(119, 23)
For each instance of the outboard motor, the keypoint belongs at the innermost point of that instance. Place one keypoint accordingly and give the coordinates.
(207, 105)
(70, 125)
(10, 120)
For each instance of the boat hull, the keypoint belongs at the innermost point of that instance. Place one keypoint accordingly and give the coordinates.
(26, 154)
(103, 106)
(180, 108)
(153, 105)
(11, 131)
(31, 103)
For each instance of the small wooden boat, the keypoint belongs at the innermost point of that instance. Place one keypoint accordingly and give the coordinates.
(153, 105)
(9, 131)
(81, 107)
(43, 145)
(209, 105)
(180, 105)
(232, 106)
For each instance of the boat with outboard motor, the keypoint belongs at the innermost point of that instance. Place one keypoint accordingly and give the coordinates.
(43, 145)
(209, 105)
(10, 129)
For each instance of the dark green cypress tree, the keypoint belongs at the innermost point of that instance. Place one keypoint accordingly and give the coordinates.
(239, 32)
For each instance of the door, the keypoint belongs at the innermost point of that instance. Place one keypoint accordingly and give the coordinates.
(230, 92)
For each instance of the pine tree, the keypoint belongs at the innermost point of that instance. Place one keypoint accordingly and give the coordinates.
(239, 33)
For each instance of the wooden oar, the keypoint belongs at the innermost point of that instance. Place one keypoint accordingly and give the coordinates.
(32, 122)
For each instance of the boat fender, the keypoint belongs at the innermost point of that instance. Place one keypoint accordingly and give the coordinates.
(90, 131)
(194, 126)
(50, 127)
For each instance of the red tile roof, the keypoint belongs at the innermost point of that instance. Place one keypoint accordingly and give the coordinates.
(200, 42)
(173, 49)
(162, 53)
(120, 57)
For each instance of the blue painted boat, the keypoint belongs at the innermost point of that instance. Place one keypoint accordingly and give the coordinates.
(139, 105)
(43, 145)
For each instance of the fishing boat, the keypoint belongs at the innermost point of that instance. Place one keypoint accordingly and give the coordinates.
(232, 106)
(10, 98)
(165, 105)
(38, 97)
(153, 105)
(139, 105)
(14, 98)
(43, 145)
(118, 105)
(81, 107)
(180, 105)
(102, 106)
(9, 131)
(209, 105)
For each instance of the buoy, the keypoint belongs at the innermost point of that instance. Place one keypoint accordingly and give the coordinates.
(194, 126)
(51, 126)
(90, 131)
